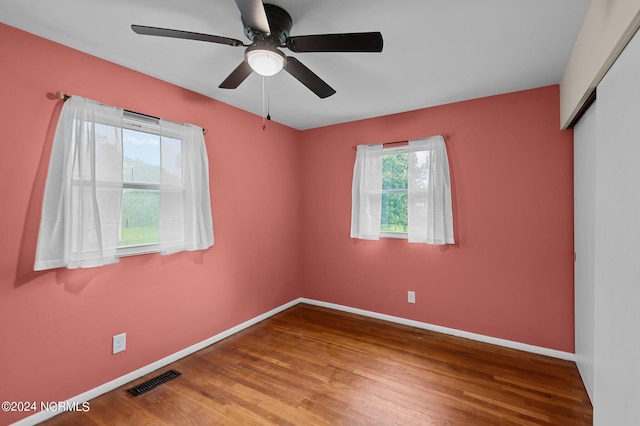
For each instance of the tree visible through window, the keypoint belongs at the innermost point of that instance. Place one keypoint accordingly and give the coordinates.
(395, 184)
(394, 193)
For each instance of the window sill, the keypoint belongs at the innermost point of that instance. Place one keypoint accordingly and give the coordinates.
(395, 235)
(135, 250)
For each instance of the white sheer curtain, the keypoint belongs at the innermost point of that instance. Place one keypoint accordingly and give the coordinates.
(366, 193)
(430, 215)
(80, 220)
(81, 206)
(185, 206)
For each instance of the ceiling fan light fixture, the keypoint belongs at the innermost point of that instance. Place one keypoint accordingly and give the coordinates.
(266, 62)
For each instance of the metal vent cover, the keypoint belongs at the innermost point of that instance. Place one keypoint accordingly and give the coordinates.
(152, 383)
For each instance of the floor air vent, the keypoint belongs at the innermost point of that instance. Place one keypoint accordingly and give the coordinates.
(152, 383)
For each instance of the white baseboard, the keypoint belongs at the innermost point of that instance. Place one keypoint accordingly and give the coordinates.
(445, 330)
(123, 380)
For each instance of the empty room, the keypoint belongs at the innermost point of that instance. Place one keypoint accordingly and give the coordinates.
(327, 213)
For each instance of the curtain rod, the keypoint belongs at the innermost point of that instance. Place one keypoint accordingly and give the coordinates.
(63, 96)
(355, 147)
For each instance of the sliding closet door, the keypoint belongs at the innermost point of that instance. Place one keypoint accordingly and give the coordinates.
(617, 242)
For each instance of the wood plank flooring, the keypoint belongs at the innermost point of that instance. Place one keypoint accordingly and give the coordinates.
(315, 366)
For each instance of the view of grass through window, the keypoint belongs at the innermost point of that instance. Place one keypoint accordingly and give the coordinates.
(141, 172)
(140, 217)
(394, 192)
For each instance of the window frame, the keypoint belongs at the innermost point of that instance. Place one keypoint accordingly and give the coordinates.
(150, 125)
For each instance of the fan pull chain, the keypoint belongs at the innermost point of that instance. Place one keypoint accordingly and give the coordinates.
(265, 101)
(264, 125)
(268, 101)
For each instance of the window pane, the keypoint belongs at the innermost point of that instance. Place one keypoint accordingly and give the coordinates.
(140, 217)
(394, 213)
(394, 171)
(141, 157)
(394, 192)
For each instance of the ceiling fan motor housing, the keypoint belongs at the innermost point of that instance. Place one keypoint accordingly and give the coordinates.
(279, 22)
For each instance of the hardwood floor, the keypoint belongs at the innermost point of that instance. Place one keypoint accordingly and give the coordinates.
(314, 366)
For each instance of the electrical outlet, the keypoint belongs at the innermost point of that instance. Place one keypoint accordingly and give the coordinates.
(411, 297)
(119, 343)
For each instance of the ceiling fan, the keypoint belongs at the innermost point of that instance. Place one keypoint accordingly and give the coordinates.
(268, 27)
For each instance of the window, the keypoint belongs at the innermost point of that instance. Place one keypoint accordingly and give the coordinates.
(394, 192)
(122, 183)
(140, 205)
(403, 192)
(395, 188)
(149, 162)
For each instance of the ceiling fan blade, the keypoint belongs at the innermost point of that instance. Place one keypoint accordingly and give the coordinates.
(349, 42)
(305, 76)
(253, 15)
(165, 32)
(237, 76)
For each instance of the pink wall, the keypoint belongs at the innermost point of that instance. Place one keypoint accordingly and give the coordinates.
(510, 274)
(56, 326)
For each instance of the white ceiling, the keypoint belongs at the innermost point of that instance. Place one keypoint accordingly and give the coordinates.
(435, 51)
